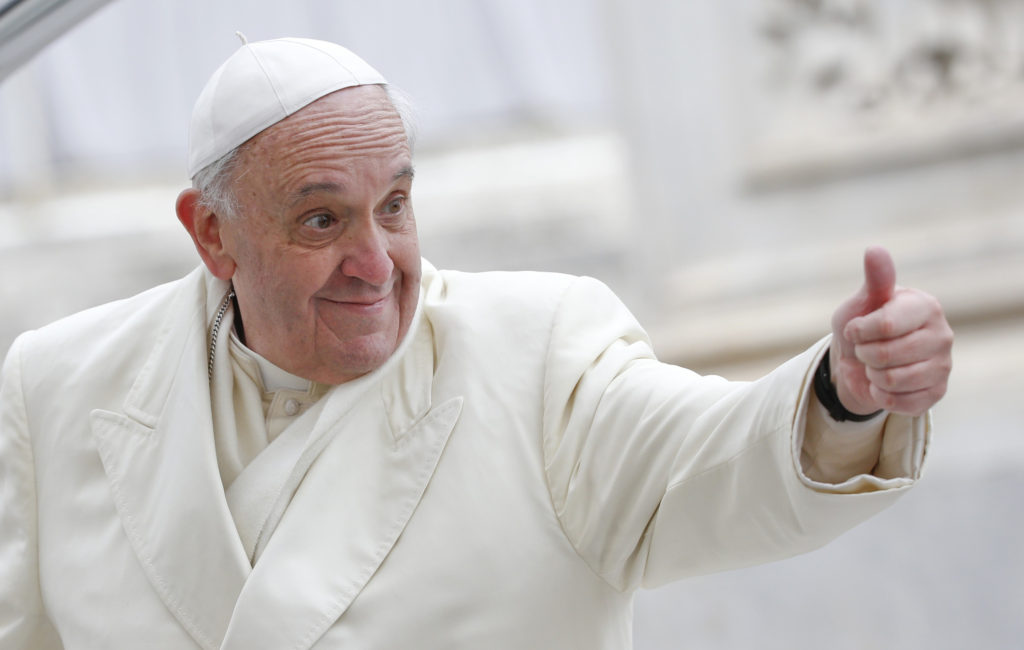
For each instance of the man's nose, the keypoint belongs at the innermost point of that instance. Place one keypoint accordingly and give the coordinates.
(366, 254)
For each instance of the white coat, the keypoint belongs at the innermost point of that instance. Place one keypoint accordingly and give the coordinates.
(507, 483)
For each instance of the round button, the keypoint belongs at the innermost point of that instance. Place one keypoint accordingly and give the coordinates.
(291, 406)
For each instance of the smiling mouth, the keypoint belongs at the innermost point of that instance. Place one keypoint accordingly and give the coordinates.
(359, 303)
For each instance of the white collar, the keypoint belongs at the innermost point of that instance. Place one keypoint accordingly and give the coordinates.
(272, 377)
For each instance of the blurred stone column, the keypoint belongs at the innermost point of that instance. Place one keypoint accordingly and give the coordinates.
(667, 61)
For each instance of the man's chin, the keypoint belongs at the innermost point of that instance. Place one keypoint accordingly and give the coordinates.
(354, 359)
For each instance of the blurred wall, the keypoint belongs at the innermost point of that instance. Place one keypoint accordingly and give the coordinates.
(772, 140)
(112, 99)
(512, 105)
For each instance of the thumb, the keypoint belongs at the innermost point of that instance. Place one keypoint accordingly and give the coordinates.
(849, 373)
(878, 288)
(879, 279)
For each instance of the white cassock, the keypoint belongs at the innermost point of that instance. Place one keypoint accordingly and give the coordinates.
(506, 480)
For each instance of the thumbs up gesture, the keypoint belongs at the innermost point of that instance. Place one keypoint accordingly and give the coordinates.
(891, 346)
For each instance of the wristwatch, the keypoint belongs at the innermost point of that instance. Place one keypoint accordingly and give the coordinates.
(826, 392)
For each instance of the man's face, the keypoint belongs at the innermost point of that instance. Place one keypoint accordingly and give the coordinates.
(327, 258)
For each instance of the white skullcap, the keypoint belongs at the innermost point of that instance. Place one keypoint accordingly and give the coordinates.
(261, 84)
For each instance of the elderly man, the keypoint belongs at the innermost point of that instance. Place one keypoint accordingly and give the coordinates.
(317, 440)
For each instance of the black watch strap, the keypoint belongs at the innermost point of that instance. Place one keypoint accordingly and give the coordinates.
(826, 392)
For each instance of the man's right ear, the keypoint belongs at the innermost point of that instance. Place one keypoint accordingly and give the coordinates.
(205, 229)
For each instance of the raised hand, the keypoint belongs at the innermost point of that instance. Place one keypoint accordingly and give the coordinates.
(891, 346)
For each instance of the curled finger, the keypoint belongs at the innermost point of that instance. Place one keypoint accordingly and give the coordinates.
(908, 311)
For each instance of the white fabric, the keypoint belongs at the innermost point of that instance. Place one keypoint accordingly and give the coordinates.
(832, 452)
(519, 470)
(261, 84)
(272, 378)
(253, 401)
(259, 492)
(270, 479)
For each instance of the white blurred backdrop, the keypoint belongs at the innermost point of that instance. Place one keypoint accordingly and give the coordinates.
(721, 165)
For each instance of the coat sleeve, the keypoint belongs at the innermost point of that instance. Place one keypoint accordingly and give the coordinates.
(657, 473)
(23, 621)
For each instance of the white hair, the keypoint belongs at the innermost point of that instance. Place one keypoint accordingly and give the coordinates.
(214, 181)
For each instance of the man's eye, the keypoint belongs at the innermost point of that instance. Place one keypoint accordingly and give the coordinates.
(395, 205)
(319, 221)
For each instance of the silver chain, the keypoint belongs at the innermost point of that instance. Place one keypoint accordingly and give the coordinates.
(217, 320)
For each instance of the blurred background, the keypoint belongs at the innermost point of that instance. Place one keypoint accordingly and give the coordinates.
(722, 165)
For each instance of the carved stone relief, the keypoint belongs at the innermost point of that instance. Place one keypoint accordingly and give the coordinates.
(851, 85)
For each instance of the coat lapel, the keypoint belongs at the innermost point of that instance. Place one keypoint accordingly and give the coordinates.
(160, 460)
(350, 507)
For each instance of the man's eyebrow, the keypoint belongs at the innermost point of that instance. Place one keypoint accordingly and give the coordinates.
(307, 191)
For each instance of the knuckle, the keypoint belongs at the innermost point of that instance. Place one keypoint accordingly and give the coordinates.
(890, 403)
(882, 355)
(946, 367)
(946, 336)
(886, 379)
(876, 377)
(886, 325)
(884, 398)
(889, 379)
